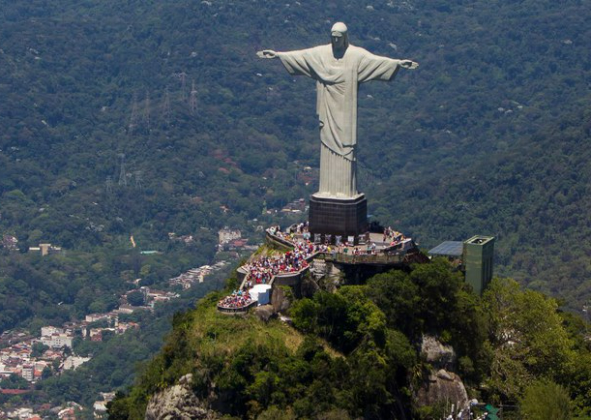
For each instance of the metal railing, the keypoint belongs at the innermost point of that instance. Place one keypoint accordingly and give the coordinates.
(236, 310)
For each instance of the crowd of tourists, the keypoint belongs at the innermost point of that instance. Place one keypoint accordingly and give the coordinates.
(263, 269)
(299, 230)
(238, 299)
(298, 236)
(396, 241)
(390, 235)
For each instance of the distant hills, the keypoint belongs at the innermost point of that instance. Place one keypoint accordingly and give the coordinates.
(489, 136)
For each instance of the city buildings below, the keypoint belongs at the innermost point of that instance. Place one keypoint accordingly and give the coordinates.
(18, 360)
(9, 242)
(28, 372)
(226, 235)
(109, 317)
(233, 245)
(45, 249)
(97, 334)
(129, 309)
(10, 337)
(56, 338)
(69, 413)
(100, 406)
(297, 206)
(186, 239)
(151, 296)
(22, 413)
(195, 275)
(34, 357)
(72, 362)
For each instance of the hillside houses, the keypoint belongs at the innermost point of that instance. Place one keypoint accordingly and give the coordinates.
(97, 334)
(226, 235)
(195, 275)
(17, 360)
(46, 249)
(9, 242)
(56, 338)
(186, 239)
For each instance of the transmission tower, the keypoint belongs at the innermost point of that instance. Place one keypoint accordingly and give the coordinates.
(133, 118)
(122, 175)
(183, 78)
(109, 184)
(166, 107)
(193, 98)
(147, 111)
(138, 179)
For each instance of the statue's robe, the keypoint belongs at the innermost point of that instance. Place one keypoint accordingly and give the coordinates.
(337, 81)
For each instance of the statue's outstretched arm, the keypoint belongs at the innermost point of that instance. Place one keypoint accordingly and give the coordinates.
(267, 54)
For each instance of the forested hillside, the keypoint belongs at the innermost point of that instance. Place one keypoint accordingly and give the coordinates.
(534, 197)
(359, 353)
(488, 136)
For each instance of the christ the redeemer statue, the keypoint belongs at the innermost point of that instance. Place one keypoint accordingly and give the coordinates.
(338, 68)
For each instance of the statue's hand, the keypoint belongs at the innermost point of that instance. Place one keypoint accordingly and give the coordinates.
(267, 54)
(408, 64)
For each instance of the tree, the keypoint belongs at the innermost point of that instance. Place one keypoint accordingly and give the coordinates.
(14, 382)
(38, 349)
(46, 373)
(346, 318)
(438, 286)
(544, 400)
(135, 298)
(528, 337)
(119, 408)
(399, 298)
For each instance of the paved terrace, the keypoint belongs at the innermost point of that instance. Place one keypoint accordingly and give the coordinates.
(389, 248)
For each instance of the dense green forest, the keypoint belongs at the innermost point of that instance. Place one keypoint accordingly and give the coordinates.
(489, 136)
(355, 353)
(142, 118)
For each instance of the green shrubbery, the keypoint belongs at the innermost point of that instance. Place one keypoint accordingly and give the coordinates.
(355, 351)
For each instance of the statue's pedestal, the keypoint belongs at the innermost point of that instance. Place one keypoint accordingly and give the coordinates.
(338, 217)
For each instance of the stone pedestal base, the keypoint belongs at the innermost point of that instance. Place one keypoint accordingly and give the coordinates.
(342, 217)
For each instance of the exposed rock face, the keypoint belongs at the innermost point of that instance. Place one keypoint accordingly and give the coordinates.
(264, 313)
(279, 300)
(436, 353)
(443, 386)
(309, 286)
(178, 403)
(442, 383)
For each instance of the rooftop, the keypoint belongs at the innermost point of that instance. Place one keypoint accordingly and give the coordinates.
(448, 249)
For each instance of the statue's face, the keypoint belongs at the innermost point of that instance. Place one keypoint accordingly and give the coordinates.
(337, 39)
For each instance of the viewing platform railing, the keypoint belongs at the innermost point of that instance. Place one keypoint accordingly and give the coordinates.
(386, 256)
(236, 310)
(283, 278)
(374, 259)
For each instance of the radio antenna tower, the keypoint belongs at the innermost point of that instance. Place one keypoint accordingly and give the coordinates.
(166, 107)
(183, 78)
(122, 175)
(138, 179)
(109, 184)
(147, 110)
(133, 117)
(193, 98)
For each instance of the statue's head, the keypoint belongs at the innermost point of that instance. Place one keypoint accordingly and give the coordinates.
(338, 36)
